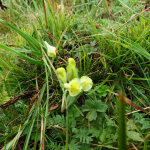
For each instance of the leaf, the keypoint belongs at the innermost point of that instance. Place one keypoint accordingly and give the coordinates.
(92, 115)
(33, 136)
(94, 131)
(96, 105)
(73, 112)
(97, 87)
(102, 90)
(2, 128)
(134, 136)
(74, 145)
(131, 125)
(134, 46)
(70, 100)
(32, 41)
(85, 146)
(93, 107)
(53, 107)
(93, 42)
(4, 97)
(20, 54)
(83, 134)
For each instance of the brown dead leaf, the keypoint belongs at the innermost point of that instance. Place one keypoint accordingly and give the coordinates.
(54, 106)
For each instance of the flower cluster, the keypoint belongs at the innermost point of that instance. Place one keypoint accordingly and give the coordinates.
(75, 85)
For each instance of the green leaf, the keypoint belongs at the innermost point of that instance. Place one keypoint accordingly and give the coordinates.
(73, 112)
(88, 105)
(83, 134)
(93, 107)
(74, 145)
(102, 90)
(33, 42)
(95, 132)
(135, 47)
(70, 100)
(92, 115)
(97, 87)
(134, 136)
(2, 128)
(131, 125)
(33, 136)
(20, 54)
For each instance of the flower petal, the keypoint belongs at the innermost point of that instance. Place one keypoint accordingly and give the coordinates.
(86, 83)
(73, 87)
(67, 85)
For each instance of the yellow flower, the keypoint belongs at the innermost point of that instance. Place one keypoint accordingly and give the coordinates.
(72, 63)
(72, 71)
(86, 83)
(62, 74)
(59, 7)
(50, 50)
(73, 87)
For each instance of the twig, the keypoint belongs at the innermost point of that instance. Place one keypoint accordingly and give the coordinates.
(45, 14)
(137, 111)
(51, 64)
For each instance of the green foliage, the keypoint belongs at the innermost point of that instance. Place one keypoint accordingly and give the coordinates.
(82, 134)
(57, 120)
(93, 107)
(135, 136)
(107, 44)
(4, 97)
(74, 145)
(73, 113)
(102, 90)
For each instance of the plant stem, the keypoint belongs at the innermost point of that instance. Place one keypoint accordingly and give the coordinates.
(122, 122)
(66, 127)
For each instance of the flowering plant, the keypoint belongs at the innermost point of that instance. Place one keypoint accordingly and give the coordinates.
(75, 85)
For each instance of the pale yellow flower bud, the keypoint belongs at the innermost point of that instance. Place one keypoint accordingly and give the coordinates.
(72, 63)
(50, 50)
(72, 71)
(62, 74)
(59, 7)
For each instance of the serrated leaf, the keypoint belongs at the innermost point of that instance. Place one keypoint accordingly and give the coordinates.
(94, 131)
(92, 115)
(85, 146)
(134, 136)
(131, 125)
(93, 107)
(72, 111)
(74, 145)
(70, 100)
(102, 90)
(83, 134)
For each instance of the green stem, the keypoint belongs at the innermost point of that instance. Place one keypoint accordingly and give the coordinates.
(66, 127)
(122, 122)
